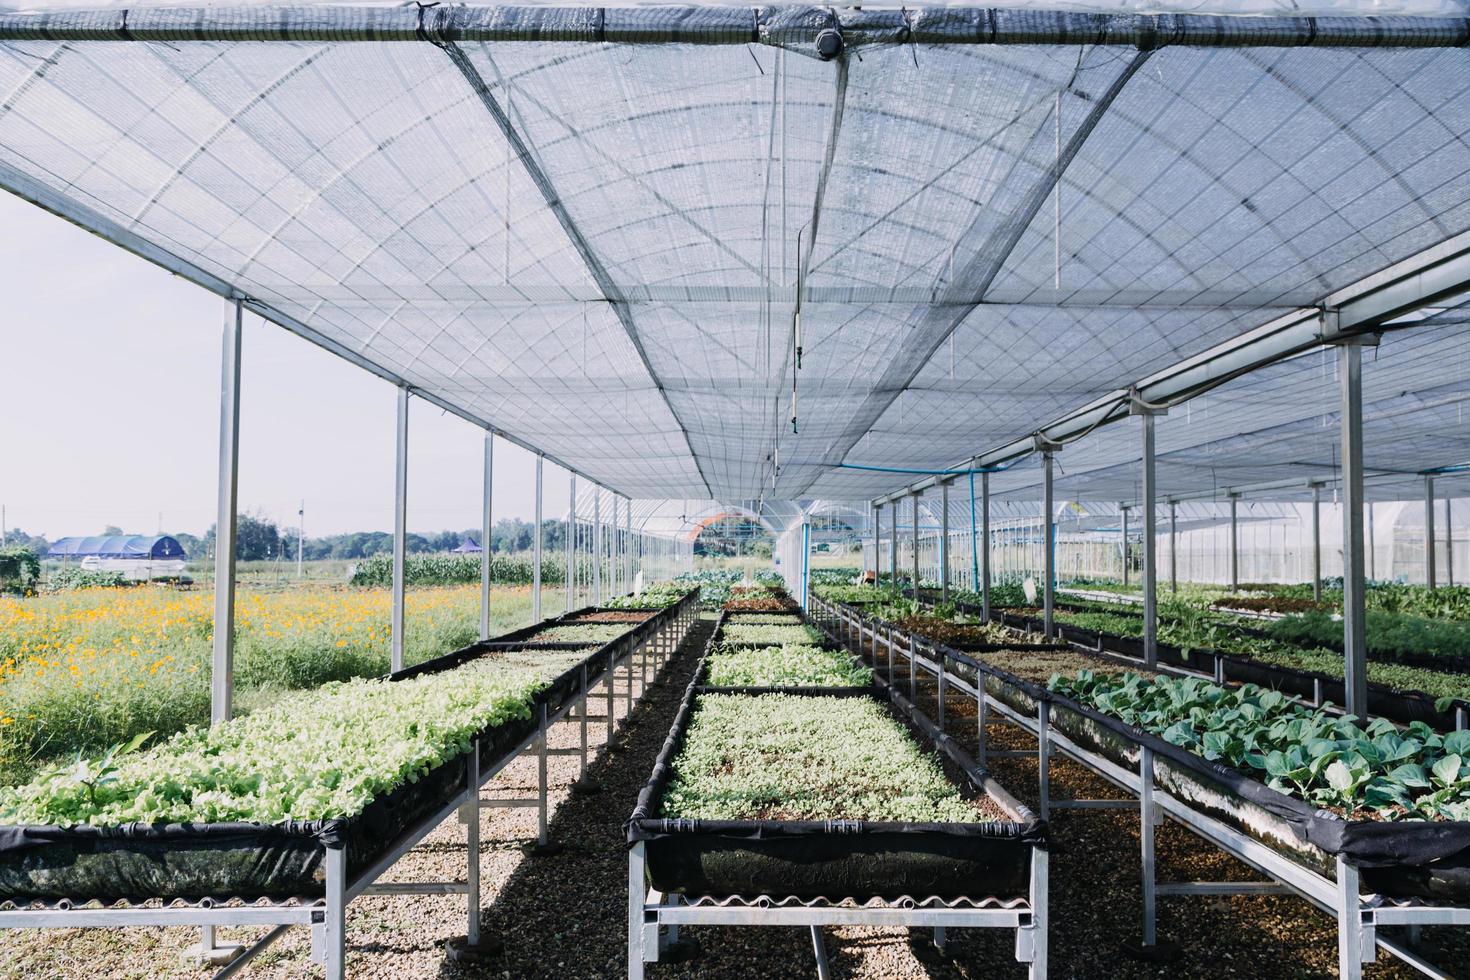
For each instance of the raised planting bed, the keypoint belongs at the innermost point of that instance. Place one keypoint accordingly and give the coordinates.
(654, 597)
(608, 616)
(764, 619)
(579, 633)
(744, 634)
(824, 797)
(853, 594)
(769, 605)
(1311, 754)
(1302, 673)
(248, 808)
(1392, 638)
(964, 636)
(789, 666)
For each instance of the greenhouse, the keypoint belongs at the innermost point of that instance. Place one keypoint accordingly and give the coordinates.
(120, 546)
(1097, 366)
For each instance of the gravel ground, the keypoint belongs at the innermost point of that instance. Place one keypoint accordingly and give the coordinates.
(564, 916)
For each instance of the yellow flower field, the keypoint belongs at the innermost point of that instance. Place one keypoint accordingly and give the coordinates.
(87, 669)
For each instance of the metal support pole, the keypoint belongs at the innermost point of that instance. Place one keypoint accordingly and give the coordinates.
(614, 557)
(628, 543)
(485, 532)
(543, 832)
(571, 536)
(877, 547)
(611, 675)
(1043, 758)
(1173, 546)
(1316, 543)
(1350, 939)
(1146, 835)
(893, 548)
(1449, 543)
(943, 689)
(400, 525)
(1234, 545)
(1048, 547)
(913, 669)
(335, 926)
(806, 562)
(1150, 545)
(222, 669)
(916, 546)
(582, 720)
(1372, 574)
(1123, 525)
(944, 541)
(536, 548)
(637, 895)
(470, 814)
(1355, 644)
(985, 547)
(597, 546)
(1429, 531)
(982, 709)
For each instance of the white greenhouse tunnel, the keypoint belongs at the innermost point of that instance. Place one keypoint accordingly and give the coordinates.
(1274, 543)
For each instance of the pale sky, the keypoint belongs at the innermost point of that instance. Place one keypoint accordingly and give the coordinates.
(111, 378)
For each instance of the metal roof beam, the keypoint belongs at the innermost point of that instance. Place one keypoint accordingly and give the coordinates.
(605, 284)
(1365, 307)
(925, 336)
(792, 27)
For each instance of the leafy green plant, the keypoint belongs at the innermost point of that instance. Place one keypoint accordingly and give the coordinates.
(69, 578)
(780, 756)
(441, 569)
(20, 568)
(842, 592)
(752, 634)
(785, 666)
(309, 756)
(764, 618)
(1375, 771)
(660, 595)
(1393, 636)
(588, 633)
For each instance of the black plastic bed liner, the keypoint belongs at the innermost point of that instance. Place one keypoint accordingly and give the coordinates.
(836, 860)
(251, 861)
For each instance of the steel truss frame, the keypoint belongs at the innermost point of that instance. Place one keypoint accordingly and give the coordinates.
(326, 917)
(1359, 917)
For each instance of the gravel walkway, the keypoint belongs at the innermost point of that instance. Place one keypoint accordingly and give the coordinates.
(564, 916)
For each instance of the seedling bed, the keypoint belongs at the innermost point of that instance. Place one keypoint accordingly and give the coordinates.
(833, 860)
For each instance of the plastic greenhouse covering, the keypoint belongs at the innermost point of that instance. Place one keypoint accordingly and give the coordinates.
(118, 546)
(678, 251)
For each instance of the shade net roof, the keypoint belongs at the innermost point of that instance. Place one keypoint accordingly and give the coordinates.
(592, 228)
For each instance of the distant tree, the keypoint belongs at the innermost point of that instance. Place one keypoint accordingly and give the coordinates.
(193, 546)
(112, 530)
(17, 538)
(257, 538)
